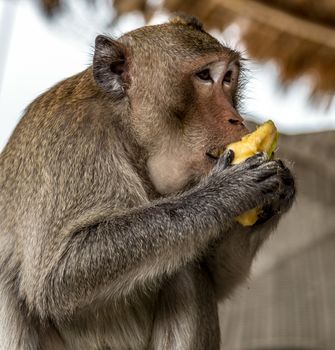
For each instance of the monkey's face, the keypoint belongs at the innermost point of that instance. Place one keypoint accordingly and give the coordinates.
(205, 123)
(180, 86)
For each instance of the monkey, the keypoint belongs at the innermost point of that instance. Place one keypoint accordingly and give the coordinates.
(117, 225)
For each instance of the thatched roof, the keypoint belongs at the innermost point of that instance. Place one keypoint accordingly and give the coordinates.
(298, 34)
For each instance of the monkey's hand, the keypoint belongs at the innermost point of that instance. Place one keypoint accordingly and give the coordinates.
(287, 191)
(230, 256)
(273, 211)
(256, 182)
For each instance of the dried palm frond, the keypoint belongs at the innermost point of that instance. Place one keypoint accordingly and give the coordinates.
(50, 6)
(298, 34)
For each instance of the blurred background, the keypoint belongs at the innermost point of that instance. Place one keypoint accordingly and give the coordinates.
(289, 302)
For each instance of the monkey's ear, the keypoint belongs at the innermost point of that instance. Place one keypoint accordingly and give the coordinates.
(110, 66)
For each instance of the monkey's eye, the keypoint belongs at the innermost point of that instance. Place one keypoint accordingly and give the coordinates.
(227, 79)
(204, 75)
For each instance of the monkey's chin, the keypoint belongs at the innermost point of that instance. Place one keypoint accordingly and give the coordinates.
(216, 152)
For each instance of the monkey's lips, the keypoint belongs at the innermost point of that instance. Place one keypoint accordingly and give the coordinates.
(216, 153)
(263, 139)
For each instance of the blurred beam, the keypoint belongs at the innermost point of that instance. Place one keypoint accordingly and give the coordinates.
(281, 20)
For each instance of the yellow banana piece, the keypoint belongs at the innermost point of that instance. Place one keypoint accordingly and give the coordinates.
(263, 139)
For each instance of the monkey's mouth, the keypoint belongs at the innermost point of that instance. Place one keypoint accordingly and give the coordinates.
(216, 153)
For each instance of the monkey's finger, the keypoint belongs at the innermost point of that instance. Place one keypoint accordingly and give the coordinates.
(256, 160)
(225, 161)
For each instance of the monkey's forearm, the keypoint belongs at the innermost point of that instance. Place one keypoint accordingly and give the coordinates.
(111, 257)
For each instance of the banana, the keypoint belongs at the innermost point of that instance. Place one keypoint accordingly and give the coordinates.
(263, 139)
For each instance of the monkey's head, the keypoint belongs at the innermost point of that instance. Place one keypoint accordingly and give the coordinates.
(179, 86)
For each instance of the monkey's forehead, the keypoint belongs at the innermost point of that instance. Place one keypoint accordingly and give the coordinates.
(175, 39)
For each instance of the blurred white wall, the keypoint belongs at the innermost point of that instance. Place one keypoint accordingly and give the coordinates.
(40, 53)
(37, 58)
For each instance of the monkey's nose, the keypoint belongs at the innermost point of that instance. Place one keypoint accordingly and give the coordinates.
(237, 122)
(234, 121)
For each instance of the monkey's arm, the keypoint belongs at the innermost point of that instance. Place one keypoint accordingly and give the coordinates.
(108, 258)
(112, 257)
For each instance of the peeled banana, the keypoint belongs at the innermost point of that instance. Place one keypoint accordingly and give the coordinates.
(263, 139)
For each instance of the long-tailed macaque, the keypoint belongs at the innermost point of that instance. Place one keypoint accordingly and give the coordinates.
(117, 225)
